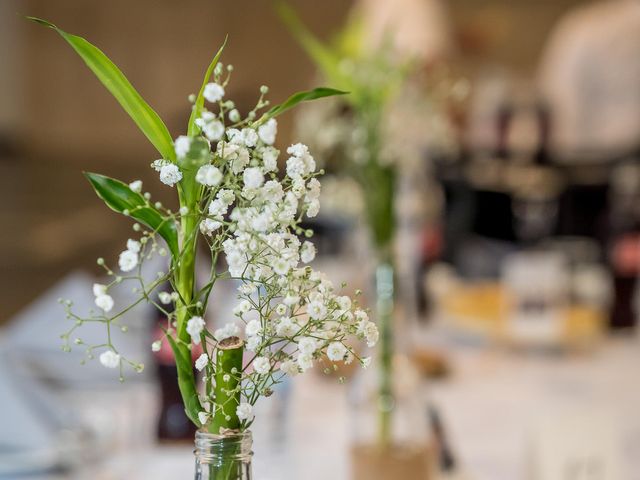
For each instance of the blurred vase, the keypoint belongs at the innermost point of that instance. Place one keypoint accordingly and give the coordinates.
(388, 409)
(223, 457)
(401, 447)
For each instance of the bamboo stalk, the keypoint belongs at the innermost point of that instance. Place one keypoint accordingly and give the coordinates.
(227, 392)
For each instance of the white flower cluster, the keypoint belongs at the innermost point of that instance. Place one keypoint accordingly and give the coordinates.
(292, 315)
(289, 316)
(103, 299)
(129, 258)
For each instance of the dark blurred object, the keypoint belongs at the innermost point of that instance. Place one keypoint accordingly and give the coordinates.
(330, 234)
(583, 210)
(446, 459)
(624, 243)
(517, 194)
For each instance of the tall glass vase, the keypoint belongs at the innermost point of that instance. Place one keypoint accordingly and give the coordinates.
(390, 428)
(223, 457)
(384, 311)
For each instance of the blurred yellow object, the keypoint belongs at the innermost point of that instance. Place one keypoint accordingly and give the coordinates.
(483, 309)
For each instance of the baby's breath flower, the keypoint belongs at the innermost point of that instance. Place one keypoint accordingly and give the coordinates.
(229, 330)
(307, 345)
(289, 367)
(250, 137)
(136, 186)
(253, 178)
(208, 226)
(157, 166)
(313, 208)
(165, 298)
(209, 176)
(201, 362)
(305, 361)
(105, 302)
(170, 174)
(110, 359)
(253, 328)
(234, 115)
(128, 260)
(182, 146)
(243, 307)
(268, 131)
(244, 411)
(261, 365)
(195, 325)
(317, 309)
(213, 92)
(99, 289)
(203, 417)
(286, 327)
(133, 246)
(307, 252)
(214, 131)
(336, 351)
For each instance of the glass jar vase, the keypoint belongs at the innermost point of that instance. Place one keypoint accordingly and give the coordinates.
(223, 457)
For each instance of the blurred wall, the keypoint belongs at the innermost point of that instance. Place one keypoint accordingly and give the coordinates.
(60, 120)
(163, 47)
(509, 33)
(57, 120)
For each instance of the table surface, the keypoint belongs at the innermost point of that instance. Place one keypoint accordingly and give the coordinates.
(490, 405)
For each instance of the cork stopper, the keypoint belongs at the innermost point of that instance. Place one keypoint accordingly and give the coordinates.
(230, 343)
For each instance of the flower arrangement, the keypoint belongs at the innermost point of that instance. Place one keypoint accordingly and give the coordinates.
(233, 198)
(373, 80)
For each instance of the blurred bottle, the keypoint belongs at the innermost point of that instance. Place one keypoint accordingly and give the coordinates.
(624, 243)
(537, 293)
(173, 424)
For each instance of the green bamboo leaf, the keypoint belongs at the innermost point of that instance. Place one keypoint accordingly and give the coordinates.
(114, 80)
(119, 197)
(297, 98)
(186, 380)
(199, 103)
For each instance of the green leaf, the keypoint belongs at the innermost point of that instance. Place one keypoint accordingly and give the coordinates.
(119, 197)
(297, 98)
(114, 80)
(186, 380)
(327, 60)
(199, 103)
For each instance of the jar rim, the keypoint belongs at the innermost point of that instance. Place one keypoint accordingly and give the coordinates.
(232, 434)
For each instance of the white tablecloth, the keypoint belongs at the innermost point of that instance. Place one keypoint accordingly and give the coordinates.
(490, 405)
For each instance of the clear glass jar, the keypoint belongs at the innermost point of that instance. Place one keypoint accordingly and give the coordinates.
(223, 457)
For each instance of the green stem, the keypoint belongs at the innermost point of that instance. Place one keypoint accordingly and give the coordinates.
(227, 389)
(184, 280)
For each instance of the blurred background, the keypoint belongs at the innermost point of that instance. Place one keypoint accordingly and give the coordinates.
(516, 145)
